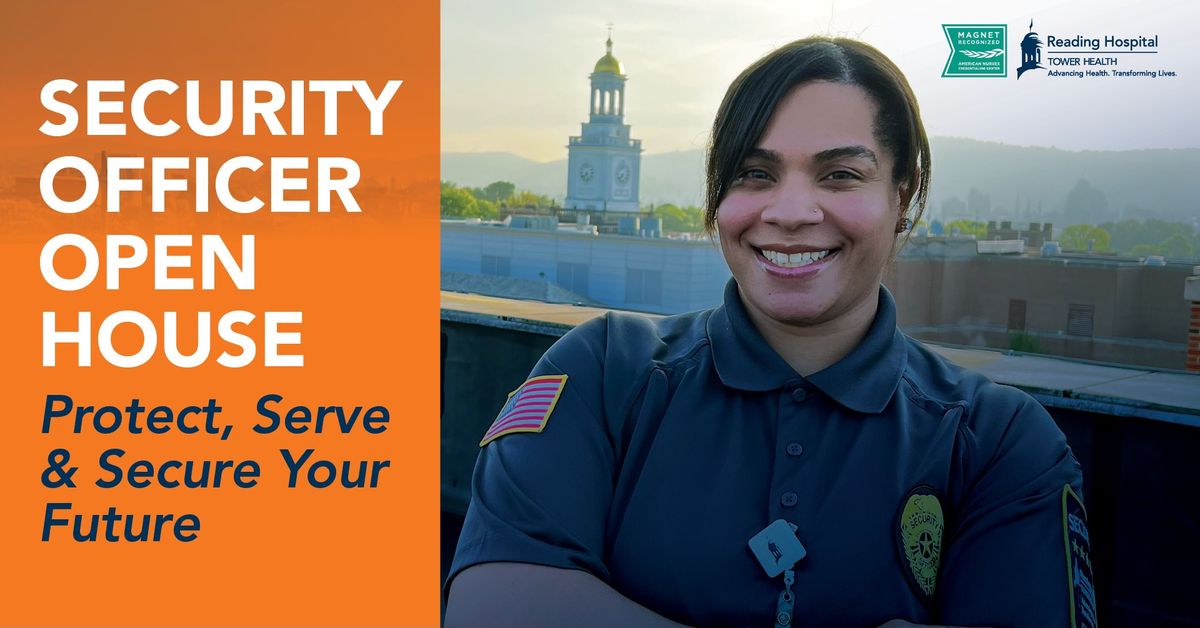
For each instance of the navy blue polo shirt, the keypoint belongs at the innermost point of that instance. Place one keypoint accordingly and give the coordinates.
(920, 490)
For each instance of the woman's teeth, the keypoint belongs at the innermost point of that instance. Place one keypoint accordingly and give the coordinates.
(795, 260)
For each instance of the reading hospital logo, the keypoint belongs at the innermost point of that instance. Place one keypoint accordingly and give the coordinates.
(1031, 52)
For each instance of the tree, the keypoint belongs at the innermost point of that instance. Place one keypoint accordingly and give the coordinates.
(1177, 246)
(968, 228)
(498, 191)
(688, 219)
(486, 209)
(1125, 234)
(457, 202)
(1128, 235)
(1154, 231)
(1077, 237)
(525, 198)
(1145, 250)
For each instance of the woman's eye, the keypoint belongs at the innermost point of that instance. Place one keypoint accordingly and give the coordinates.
(751, 175)
(842, 175)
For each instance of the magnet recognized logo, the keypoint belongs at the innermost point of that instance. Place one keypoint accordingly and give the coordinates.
(976, 50)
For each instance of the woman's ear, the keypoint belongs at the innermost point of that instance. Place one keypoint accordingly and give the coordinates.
(904, 193)
(903, 222)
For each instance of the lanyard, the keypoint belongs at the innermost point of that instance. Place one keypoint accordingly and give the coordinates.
(783, 609)
(778, 550)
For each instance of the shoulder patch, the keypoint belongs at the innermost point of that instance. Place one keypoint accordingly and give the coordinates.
(919, 528)
(528, 407)
(1081, 594)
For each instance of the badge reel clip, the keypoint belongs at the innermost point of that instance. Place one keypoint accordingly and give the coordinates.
(778, 550)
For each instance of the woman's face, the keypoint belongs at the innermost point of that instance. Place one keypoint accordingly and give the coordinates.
(809, 221)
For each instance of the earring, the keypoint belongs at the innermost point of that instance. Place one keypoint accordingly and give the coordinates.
(904, 225)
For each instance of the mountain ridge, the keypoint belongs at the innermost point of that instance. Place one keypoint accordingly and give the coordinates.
(1011, 181)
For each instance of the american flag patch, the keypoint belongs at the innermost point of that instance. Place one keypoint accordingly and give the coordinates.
(528, 407)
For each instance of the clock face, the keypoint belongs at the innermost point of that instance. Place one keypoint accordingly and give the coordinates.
(587, 172)
(623, 172)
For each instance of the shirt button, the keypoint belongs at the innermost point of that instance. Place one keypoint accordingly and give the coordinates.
(799, 395)
(794, 449)
(788, 499)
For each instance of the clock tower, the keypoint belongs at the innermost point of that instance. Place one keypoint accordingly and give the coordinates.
(603, 162)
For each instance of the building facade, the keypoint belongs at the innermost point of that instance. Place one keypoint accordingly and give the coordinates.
(625, 272)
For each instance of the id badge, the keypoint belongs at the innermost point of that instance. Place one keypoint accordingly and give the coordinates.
(777, 548)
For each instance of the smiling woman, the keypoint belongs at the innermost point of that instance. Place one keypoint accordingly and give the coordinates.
(816, 152)
(789, 456)
(817, 188)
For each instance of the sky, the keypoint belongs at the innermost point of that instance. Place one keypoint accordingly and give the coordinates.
(514, 74)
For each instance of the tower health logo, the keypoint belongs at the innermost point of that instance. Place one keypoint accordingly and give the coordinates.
(1031, 52)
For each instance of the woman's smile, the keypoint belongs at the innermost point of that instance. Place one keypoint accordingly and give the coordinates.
(777, 261)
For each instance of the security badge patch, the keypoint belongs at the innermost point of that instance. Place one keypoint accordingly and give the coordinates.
(919, 530)
(528, 407)
(1080, 590)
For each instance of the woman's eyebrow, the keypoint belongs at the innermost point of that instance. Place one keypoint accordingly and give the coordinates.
(846, 151)
(822, 157)
(764, 154)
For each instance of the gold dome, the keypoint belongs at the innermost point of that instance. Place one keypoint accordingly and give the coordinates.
(609, 63)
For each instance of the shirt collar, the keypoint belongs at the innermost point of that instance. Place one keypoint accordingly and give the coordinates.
(864, 380)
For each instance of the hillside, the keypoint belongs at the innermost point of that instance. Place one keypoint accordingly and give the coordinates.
(1015, 179)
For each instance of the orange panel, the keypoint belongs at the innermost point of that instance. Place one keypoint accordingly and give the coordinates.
(365, 283)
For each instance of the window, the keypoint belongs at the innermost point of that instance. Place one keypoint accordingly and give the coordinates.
(573, 277)
(496, 266)
(643, 286)
(1016, 315)
(1080, 319)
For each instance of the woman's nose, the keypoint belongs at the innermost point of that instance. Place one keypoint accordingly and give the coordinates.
(794, 204)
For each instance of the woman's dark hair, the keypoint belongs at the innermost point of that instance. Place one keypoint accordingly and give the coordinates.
(753, 96)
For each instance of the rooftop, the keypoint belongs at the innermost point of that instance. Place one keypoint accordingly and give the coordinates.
(1156, 394)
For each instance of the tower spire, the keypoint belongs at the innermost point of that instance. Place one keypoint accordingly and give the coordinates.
(608, 44)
